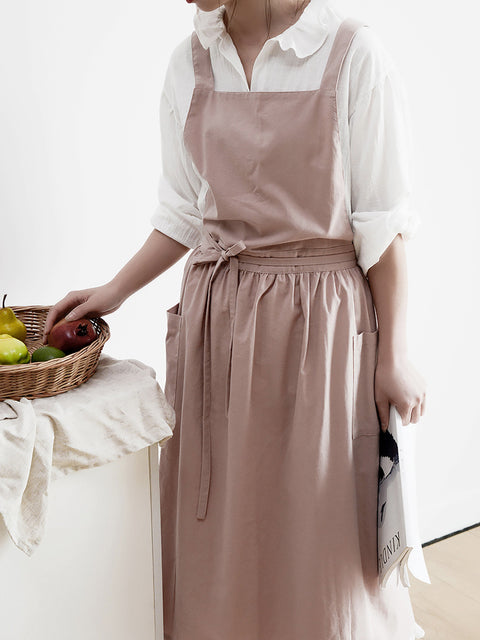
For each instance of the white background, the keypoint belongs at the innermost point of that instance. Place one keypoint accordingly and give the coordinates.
(80, 158)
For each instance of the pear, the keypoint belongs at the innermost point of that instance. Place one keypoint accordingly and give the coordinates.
(10, 324)
(12, 350)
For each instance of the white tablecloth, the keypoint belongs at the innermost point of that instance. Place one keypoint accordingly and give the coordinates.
(120, 410)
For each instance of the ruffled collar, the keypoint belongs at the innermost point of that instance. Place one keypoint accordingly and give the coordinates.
(305, 36)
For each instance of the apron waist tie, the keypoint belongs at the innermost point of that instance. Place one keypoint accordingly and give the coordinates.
(214, 252)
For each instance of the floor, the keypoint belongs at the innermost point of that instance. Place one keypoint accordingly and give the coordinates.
(449, 608)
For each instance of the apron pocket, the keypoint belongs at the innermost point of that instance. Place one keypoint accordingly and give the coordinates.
(172, 344)
(365, 420)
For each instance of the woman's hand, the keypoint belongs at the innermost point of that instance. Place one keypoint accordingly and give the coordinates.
(397, 382)
(87, 303)
(156, 255)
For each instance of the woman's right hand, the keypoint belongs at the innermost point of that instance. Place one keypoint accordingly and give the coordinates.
(87, 303)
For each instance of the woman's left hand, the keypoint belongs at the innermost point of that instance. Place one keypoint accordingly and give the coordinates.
(397, 382)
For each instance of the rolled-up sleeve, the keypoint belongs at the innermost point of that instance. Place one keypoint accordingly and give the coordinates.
(176, 214)
(381, 164)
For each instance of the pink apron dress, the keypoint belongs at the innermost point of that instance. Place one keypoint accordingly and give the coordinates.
(269, 483)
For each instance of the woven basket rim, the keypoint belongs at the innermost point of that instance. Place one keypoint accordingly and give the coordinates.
(52, 377)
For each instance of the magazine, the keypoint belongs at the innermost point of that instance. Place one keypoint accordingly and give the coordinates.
(399, 545)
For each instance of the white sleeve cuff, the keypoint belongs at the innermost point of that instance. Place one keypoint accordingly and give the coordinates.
(180, 226)
(373, 232)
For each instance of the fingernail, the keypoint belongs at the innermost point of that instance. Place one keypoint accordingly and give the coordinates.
(69, 316)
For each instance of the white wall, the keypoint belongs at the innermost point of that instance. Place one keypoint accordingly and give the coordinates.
(433, 43)
(79, 163)
(80, 153)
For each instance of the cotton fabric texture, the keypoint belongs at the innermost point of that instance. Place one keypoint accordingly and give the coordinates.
(372, 110)
(268, 486)
(120, 410)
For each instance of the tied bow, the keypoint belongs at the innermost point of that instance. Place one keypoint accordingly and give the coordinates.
(215, 251)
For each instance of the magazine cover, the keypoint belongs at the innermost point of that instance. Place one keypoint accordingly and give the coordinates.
(399, 543)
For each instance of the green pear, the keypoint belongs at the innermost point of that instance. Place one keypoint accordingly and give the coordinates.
(13, 351)
(10, 324)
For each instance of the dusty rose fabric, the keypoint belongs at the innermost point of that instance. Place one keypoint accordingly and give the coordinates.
(269, 483)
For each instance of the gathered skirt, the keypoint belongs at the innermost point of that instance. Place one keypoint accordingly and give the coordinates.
(287, 548)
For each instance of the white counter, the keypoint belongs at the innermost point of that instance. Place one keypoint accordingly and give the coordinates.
(93, 576)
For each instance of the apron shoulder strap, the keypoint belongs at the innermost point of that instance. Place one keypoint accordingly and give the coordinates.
(201, 64)
(343, 38)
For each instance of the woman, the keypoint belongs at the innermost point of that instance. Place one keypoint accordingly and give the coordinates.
(285, 148)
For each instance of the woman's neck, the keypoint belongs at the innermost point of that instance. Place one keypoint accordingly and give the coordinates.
(249, 22)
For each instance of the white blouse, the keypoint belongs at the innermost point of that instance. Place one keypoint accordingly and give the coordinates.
(373, 116)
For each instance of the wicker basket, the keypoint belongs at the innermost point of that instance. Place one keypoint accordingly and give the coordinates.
(44, 379)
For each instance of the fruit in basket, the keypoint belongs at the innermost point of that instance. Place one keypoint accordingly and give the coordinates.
(70, 336)
(12, 350)
(10, 324)
(42, 354)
